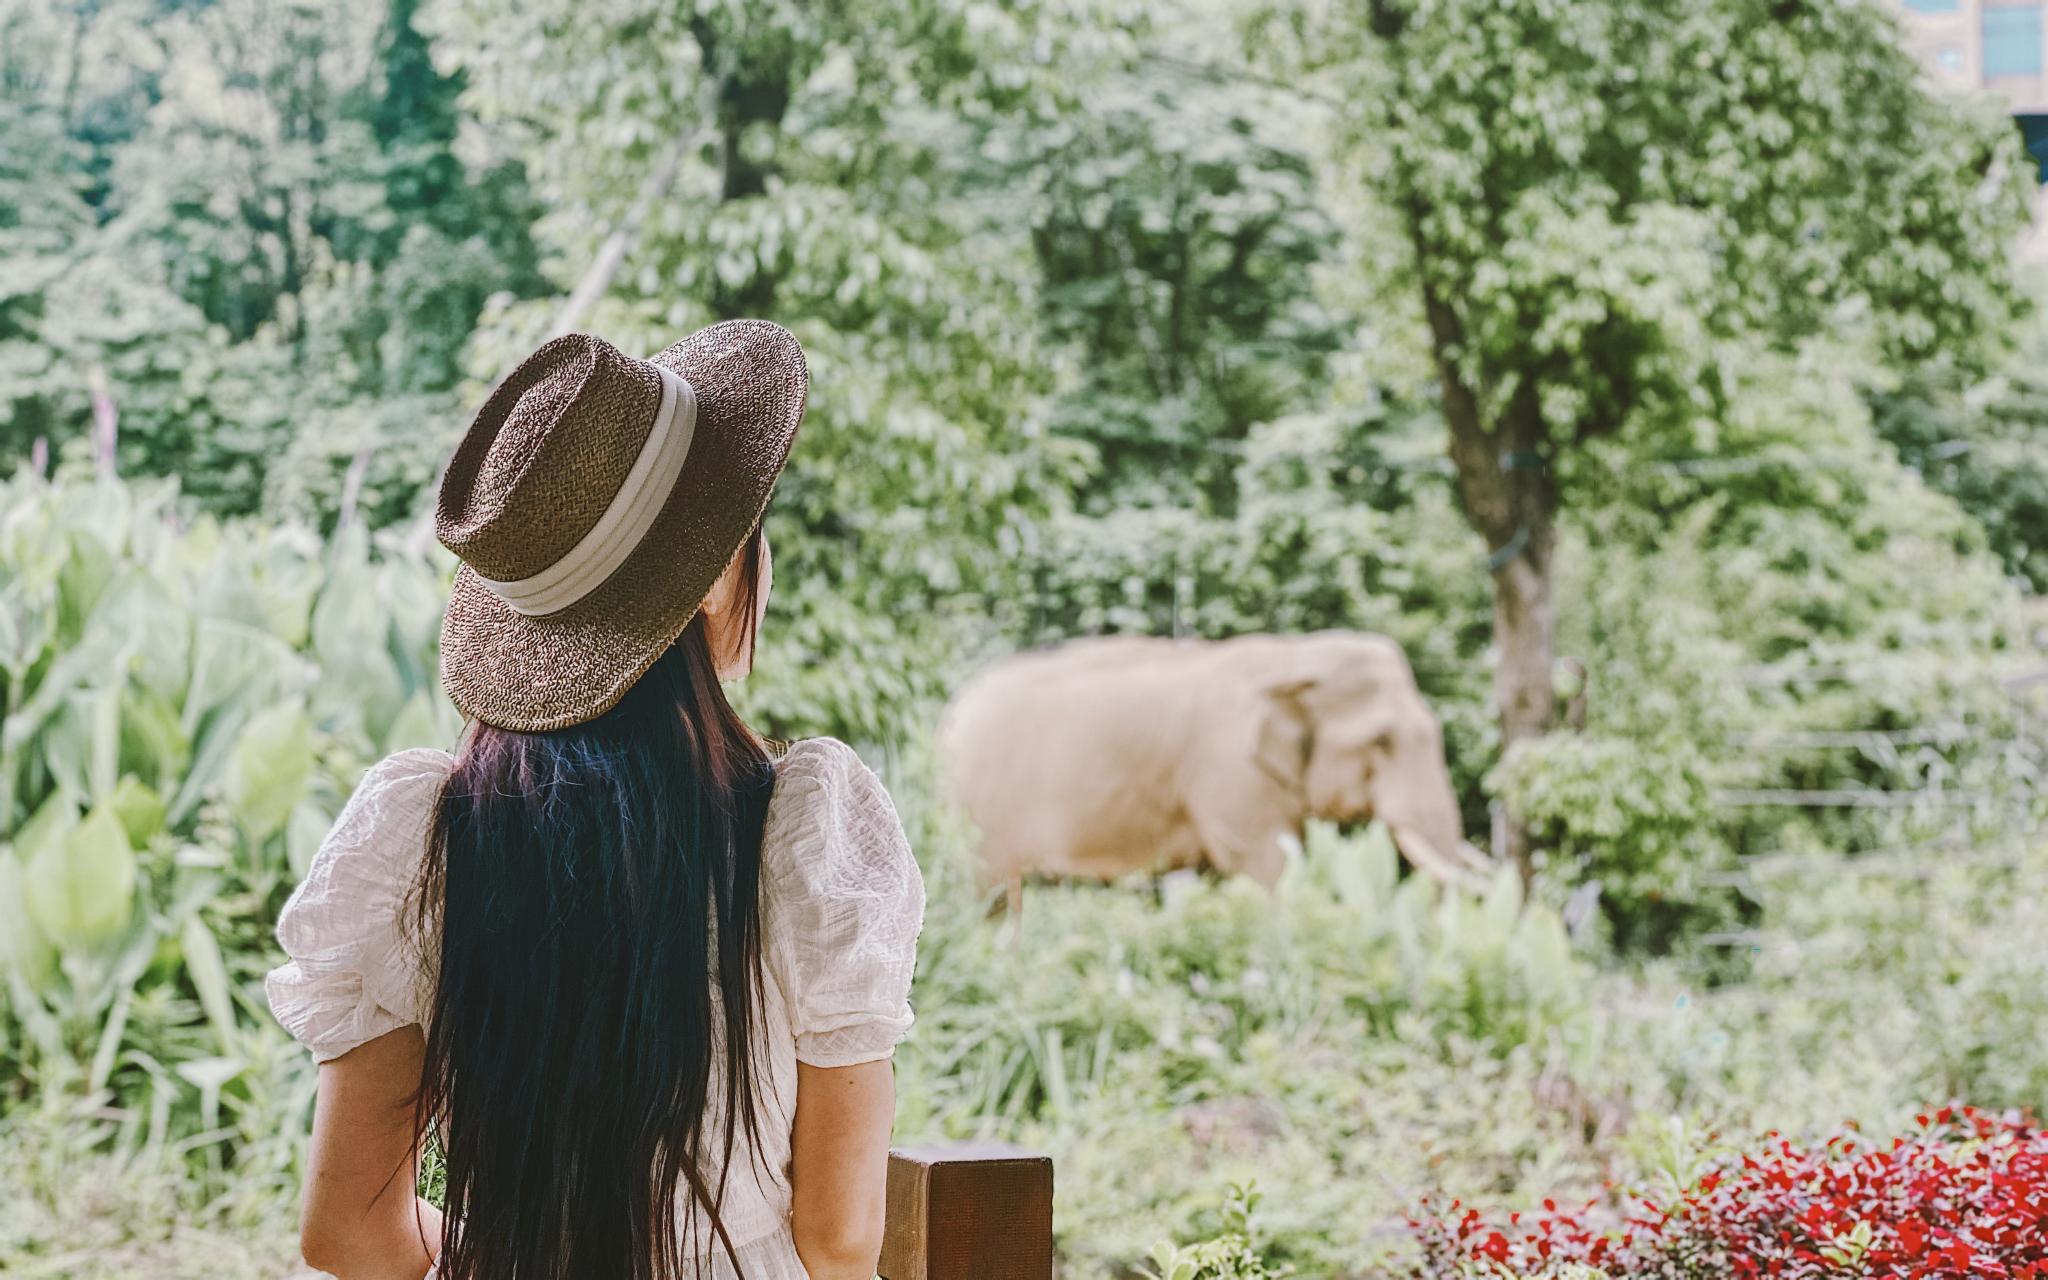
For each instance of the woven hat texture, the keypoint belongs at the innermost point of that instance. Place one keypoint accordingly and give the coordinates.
(544, 458)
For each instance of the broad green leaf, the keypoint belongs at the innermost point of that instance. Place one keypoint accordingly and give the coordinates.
(81, 889)
(420, 724)
(269, 769)
(139, 808)
(158, 628)
(211, 756)
(64, 744)
(210, 979)
(303, 834)
(52, 821)
(233, 662)
(24, 950)
(351, 641)
(88, 571)
(153, 746)
(1503, 902)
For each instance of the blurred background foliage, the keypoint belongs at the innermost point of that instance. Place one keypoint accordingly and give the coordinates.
(1186, 320)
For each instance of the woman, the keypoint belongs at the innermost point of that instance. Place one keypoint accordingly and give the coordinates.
(641, 977)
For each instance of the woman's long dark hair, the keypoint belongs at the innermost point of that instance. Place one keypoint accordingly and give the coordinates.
(594, 890)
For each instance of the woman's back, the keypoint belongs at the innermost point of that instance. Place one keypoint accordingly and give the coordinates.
(841, 902)
(640, 978)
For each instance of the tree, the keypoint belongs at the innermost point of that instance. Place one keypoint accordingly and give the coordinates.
(1986, 446)
(842, 169)
(1599, 210)
(1176, 230)
(44, 216)
(270, 252)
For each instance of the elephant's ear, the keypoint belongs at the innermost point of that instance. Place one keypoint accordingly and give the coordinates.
(1284, 735)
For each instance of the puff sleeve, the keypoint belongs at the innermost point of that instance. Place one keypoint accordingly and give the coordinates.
(352, 971)
(845, 903)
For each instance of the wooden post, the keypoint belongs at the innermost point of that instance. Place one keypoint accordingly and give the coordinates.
(968, 1211)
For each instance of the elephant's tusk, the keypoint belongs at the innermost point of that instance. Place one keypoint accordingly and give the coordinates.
(1426, 858)
(1476, 858)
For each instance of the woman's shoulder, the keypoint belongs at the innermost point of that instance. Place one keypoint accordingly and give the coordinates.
(823, 788)
(817, 760)
(395, 797)
(377, 841)
(351, 973)
(831, 819)
(410, 769)
(844, 903)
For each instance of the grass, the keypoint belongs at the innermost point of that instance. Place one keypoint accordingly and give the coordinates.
(1347, 1047)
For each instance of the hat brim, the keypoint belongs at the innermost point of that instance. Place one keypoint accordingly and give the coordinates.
(533, 674)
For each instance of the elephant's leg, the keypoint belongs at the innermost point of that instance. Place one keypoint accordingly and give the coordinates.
(1013, 924)
(1002, 898)
(1248, 842)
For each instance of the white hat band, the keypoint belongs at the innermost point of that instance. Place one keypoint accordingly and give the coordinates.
(626, 519)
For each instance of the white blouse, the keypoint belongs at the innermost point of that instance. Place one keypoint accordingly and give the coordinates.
(841, 906)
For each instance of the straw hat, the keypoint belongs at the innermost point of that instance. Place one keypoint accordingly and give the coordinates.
(594, 502)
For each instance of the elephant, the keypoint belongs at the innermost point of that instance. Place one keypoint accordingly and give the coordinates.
(1104, 757)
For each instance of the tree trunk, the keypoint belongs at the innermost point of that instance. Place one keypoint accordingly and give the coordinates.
(1525, 634)
(1509, 496)
(749, 92)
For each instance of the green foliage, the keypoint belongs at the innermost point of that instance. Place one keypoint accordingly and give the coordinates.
(74, 1211)
(1986, 446)
(273, 230)
(1595, 219)
(1603, 192)
(1353, 1040)
(826, 176)
(1232, 1255)
(1108, 332)
(1636, 823)
(1176, 228)
(177, 725)
(79, 877)
(1163, 1051)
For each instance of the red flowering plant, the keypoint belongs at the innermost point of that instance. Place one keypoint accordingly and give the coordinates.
(1965, 1195)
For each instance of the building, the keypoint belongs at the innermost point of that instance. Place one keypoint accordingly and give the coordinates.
(1991, 46)
(1997, 45)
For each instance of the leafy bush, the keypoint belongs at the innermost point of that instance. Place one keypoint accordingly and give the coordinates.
(1233, 1254)
(1356, 1033)
(185, 708)
(1964, 1195)
(1981, 445)
(1631, 819)
(1349, 1042)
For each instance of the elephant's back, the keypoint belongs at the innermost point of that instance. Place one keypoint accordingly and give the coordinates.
(1067, 759)
(1067, 692)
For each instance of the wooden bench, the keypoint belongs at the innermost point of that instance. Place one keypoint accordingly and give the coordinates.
(968, 1211)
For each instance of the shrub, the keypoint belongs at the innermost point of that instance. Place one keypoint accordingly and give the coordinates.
(183, 707)
(1966, 1194)
(1234, 1254)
